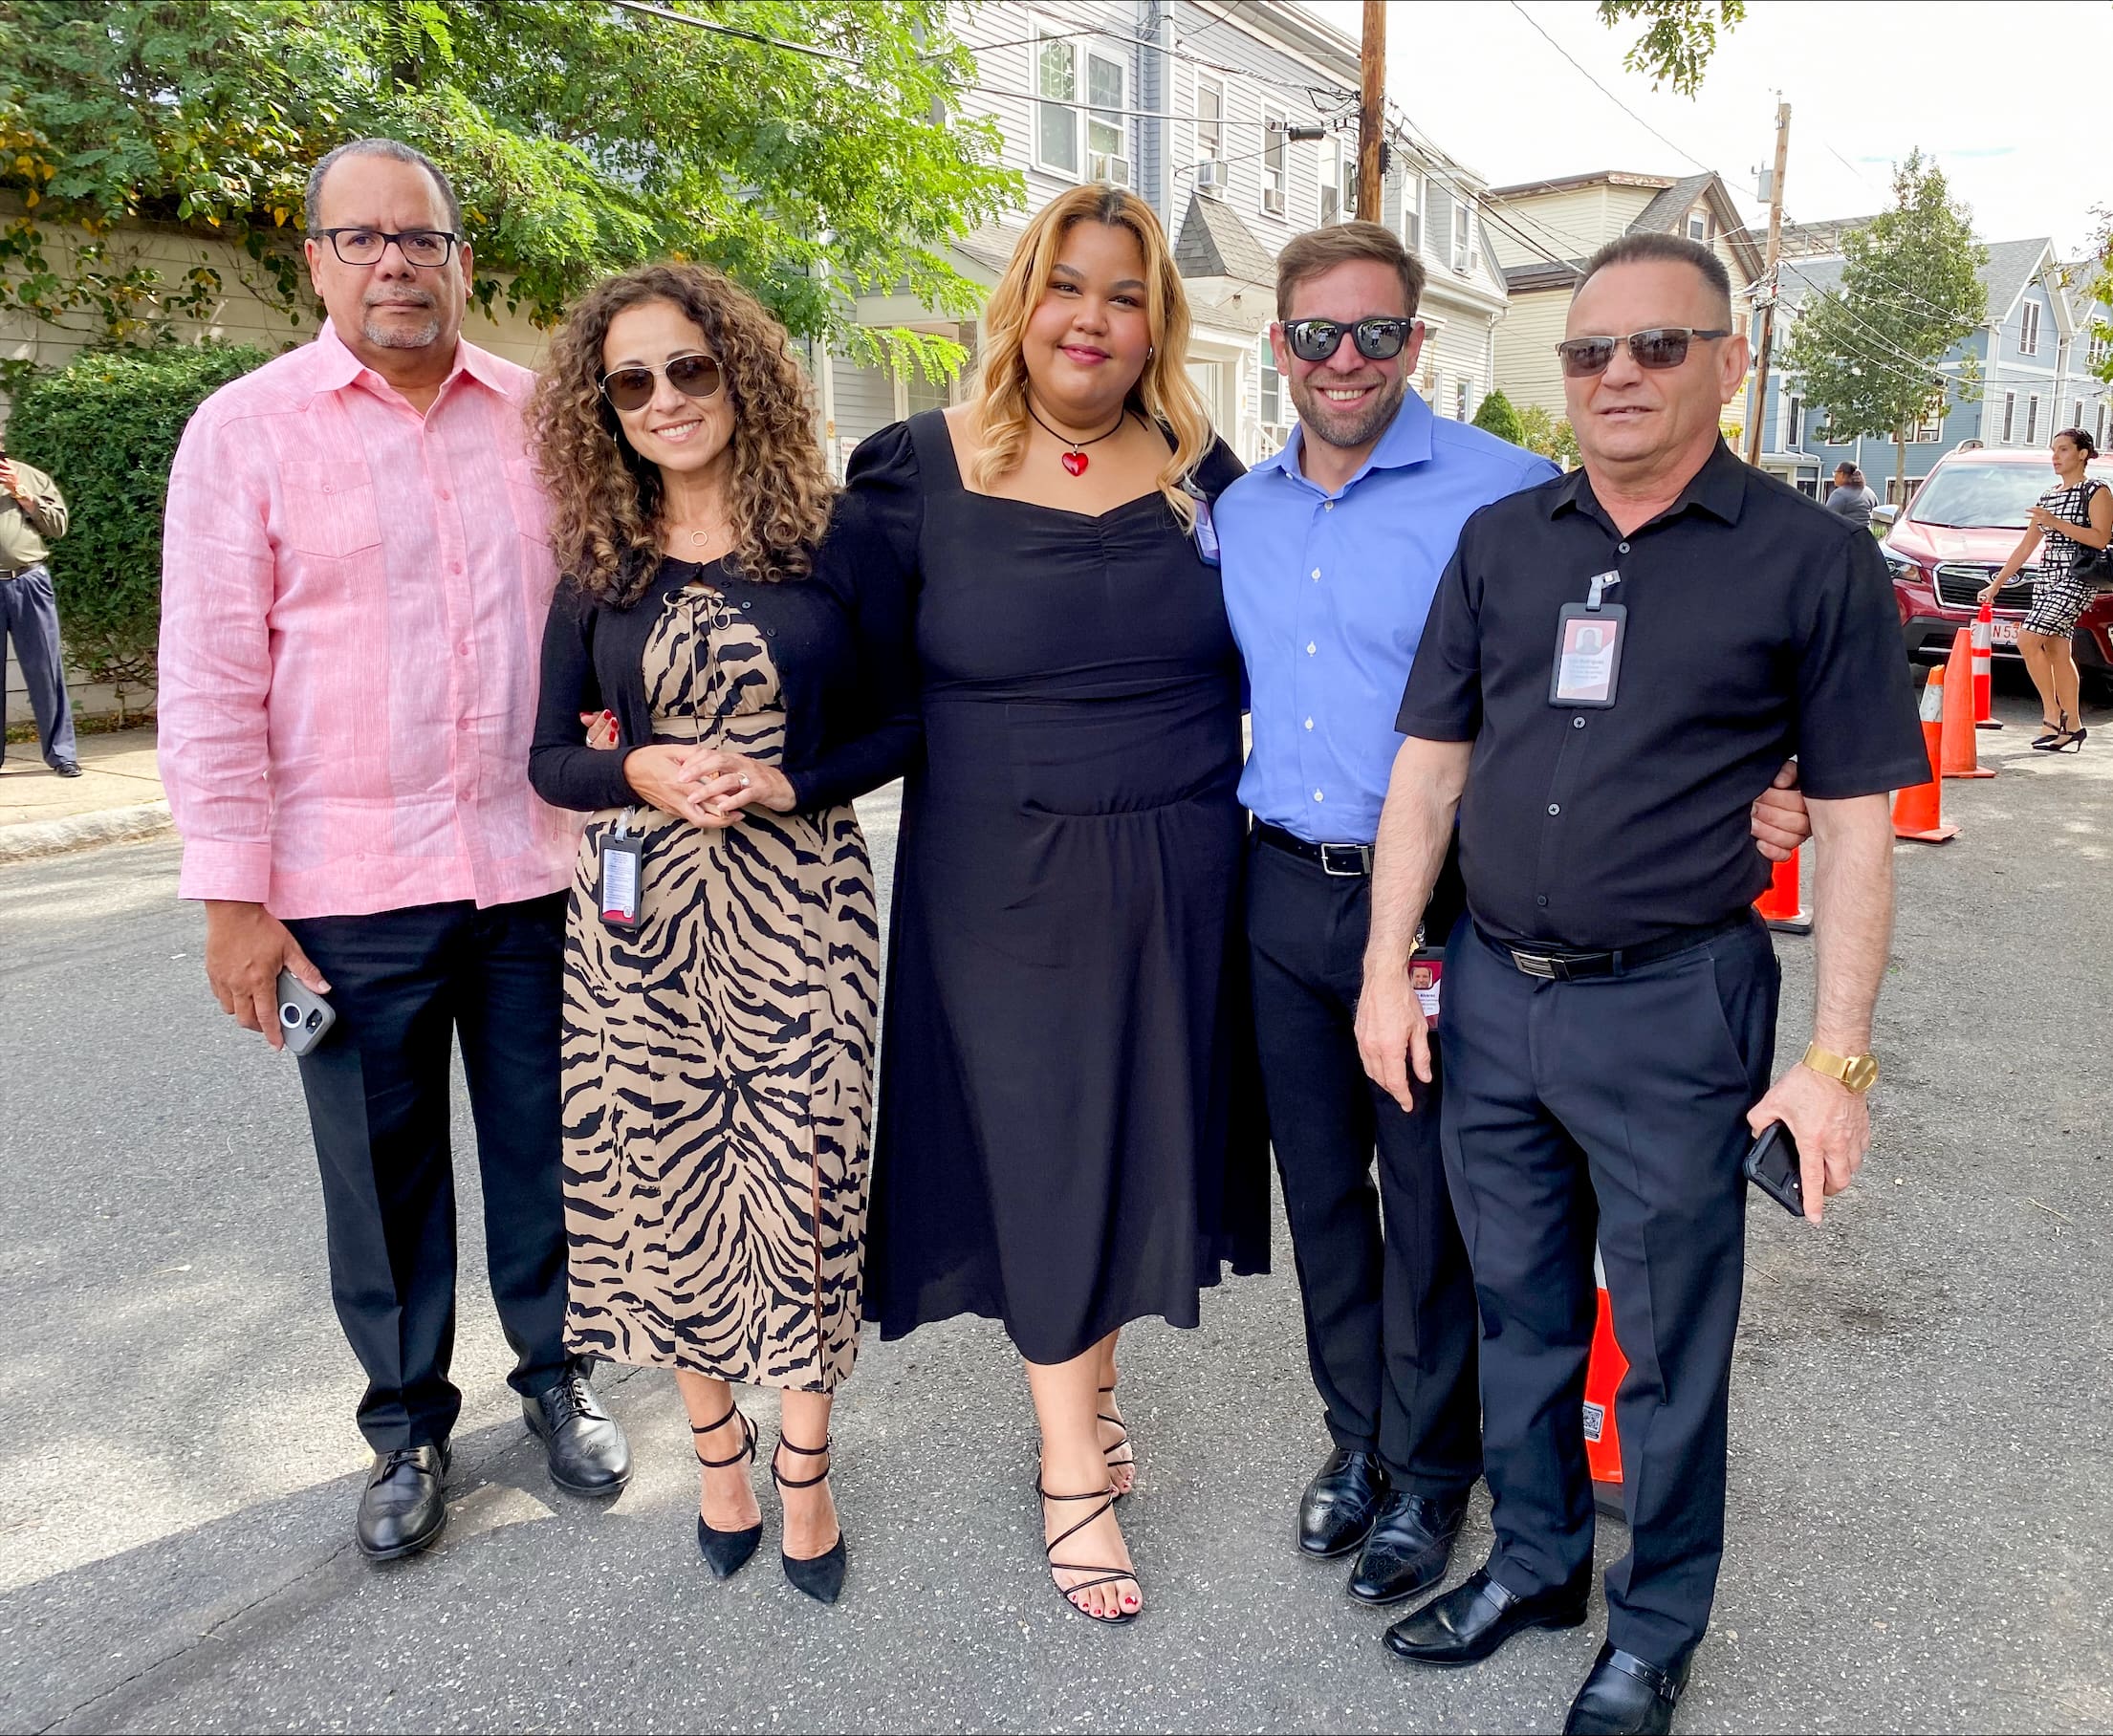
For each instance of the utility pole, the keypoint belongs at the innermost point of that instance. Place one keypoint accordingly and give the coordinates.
(1372, 110)
(1769, 277)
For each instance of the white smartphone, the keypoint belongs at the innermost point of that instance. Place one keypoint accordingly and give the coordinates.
(304, 1015)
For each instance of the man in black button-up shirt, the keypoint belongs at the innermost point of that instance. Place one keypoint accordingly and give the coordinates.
(1615, 666)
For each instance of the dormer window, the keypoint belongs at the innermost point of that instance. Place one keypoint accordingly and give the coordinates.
(1698, 227)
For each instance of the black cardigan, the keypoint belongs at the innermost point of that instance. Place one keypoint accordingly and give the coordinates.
(846, 666)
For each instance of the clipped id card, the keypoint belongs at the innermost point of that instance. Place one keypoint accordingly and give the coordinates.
(1587, 667)
(617, 897)
(1206, 533)
(1426, 970)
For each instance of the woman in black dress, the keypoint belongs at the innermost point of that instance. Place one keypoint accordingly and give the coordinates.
(1069, 1134)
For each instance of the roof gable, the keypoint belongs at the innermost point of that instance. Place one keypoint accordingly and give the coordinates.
(1214, 243)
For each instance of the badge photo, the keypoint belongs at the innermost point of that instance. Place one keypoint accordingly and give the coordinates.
(1587, 669)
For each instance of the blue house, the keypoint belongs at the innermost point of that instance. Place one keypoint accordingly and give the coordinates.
(2033, 357)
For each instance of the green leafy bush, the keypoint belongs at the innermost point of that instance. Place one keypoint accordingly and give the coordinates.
(1495, 415)
(105, 427)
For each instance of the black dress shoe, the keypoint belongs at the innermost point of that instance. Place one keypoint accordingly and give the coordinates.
(1625, 1696)
(1337, 1507)
(1477, 1616)
(1411, 1541)
(588, 1454)
(66, 768)
(402, 1508)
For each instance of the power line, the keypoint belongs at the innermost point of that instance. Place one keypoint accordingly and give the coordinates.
(1607, 94)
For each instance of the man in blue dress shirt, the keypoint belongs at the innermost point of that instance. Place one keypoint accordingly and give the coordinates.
(1332, 551)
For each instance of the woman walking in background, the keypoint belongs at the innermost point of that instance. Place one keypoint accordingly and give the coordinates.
(2075, 516)
(721, 950)
(1060, 1145)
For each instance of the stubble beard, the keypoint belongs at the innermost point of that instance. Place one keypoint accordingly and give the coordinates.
(389, 335)
(1326, 422)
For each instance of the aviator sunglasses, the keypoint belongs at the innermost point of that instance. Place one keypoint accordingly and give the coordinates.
(1377, 338)
(632, 388)
(1659, 348)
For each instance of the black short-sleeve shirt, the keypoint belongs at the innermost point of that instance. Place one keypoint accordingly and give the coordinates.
(1759, 626)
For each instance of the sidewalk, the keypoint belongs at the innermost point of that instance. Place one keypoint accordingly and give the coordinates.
(117, 796)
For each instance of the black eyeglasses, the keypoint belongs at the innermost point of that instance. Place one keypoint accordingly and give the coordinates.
(632, 388)
(427, 248)
(1377, 338)
(1659, 348)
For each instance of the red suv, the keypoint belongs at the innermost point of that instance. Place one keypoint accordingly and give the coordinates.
(1961, 525)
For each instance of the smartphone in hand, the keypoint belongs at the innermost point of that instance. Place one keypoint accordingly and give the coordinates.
(1772, 1166)
(304, 1015)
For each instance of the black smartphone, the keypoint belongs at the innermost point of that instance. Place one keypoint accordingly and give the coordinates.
(1772, 1166)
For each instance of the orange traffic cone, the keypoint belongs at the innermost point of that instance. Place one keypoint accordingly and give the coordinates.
(1958, 756)
(1604, 1374)
(1984, 667)
(1918, 813)
(1780, 906)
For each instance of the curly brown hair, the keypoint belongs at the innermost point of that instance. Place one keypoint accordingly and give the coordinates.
(605, 499)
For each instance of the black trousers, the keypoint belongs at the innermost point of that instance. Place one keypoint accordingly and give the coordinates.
(29, 615)
(1616, 1107)
(404, 984)
(1390, 1324)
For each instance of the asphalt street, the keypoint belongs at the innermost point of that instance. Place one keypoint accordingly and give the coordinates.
(1922, 1491)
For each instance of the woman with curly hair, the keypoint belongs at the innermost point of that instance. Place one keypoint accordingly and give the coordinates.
(721, 966)
(1061, 1146)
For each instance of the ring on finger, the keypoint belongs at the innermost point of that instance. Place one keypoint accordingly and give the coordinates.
(744, 780)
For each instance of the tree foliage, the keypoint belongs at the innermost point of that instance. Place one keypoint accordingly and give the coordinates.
(1495, 415)
(105, 427)
(582, 138)
(2100, 270)
(1679, 36)
(1541, 431)
(1869, 353)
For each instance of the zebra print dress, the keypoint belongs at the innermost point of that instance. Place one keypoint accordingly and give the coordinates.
(718, 1063)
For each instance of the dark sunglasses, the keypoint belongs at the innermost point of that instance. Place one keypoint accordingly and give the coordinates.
(632, 388)
(1660, 348)
(1377, 338)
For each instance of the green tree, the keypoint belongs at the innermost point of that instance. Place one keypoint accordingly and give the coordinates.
(1495, 415)
(582, 138)
(105, 427)
(2099, 274)
(1541, 431)
(1679, 37)
(1871, 353)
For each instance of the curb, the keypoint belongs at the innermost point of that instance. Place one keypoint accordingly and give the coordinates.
(82, 832)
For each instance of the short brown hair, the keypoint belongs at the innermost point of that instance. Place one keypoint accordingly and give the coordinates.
(1321, 250)
(1654, 246)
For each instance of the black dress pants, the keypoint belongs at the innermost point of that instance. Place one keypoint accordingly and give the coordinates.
(404, 983)
(1613, 1106)
(1391, 1325)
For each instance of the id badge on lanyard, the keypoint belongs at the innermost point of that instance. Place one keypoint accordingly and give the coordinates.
(1586, 672)
(1205, 533)
(622, 858)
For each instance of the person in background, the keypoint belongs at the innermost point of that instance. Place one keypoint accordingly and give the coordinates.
(356, 570)
(1849, 498)
(719, 1025)
(2074, 516)
(32, 515)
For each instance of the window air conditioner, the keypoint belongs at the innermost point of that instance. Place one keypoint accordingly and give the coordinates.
(1272, 200)
(1108, 167)
(1213, 176)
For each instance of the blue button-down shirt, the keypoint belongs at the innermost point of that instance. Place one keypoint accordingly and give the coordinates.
(1328, 593)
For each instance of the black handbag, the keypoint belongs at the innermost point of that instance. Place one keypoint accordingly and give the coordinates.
(2093, 567)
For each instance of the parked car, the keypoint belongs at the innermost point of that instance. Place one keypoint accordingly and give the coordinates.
(1959, 528)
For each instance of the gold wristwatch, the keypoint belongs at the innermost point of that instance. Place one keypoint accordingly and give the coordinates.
(1858, 1072)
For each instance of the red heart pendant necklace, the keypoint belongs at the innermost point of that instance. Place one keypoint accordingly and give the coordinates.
(1075, 460)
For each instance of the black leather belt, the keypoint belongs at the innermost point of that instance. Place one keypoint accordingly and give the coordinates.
(1556, 965)
(1350, 862)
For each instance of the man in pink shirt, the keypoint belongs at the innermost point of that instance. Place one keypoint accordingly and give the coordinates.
(356, 572)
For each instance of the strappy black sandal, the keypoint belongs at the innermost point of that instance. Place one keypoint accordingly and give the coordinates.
(2057, 735)
(819, 1576)
(1128, 1460)
(1102, 1575)
(726, 1553)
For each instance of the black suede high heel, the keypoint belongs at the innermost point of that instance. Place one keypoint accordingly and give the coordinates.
(726, 1553)
(820, 1576)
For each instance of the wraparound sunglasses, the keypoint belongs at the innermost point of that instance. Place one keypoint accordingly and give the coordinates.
(1659, 348)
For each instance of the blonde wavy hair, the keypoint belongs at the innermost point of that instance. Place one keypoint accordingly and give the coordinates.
(1163, 393)
(605, 499)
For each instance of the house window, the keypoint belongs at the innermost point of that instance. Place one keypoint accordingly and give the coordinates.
(1462, 235)
(2076, 421)
(1084, 144)
(1930, 428)
(1412, 212)
(1794, 423)
(1339, 180)
(1460, 400)
(1276, 161)
(2010, 417)
(1209, 121)
(1698, 226)
(1271, 390)
(1057, 129)
(2097, 350)
(2028, 329)
(2100, 440)
(1107, 127)
(2031, 420)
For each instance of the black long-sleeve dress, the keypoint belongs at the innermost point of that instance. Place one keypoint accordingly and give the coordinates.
(1070, 1134)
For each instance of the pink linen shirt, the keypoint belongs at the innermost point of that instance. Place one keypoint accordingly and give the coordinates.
(352, 615)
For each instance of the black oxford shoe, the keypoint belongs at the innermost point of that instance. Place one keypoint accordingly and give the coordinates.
(66, 768)
(1477, 1616)
(1336, 1510)
(1625, 1696)
(402, 1508)
(1407, 1553)
(588, 1453)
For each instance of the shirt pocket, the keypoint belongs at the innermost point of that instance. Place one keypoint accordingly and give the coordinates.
(330, 508)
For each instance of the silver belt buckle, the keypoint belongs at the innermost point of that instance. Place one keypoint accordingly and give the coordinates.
(1360, 856)
(1534, 965)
